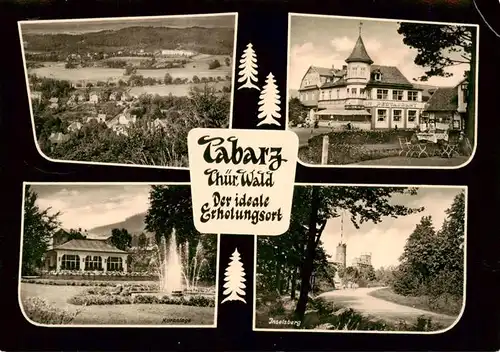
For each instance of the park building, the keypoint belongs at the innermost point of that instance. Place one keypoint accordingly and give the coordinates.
(85, 255)
(361, 94)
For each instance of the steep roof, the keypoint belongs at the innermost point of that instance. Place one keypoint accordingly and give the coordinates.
(323, 71)
(89, 245)
(391, 75)
(359, 53)
(340, 83)
(443, 99)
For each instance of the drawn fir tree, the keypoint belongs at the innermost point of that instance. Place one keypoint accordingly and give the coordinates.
(248, 68)
(269, 103)
(234, 278)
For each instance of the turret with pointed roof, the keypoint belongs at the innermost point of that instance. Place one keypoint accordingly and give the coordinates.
(359, 53)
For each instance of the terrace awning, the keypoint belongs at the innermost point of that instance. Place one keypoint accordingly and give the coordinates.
(343, 112)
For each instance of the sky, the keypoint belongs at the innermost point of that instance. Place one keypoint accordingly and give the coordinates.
(82, 26)
(327, 41)
(387, 239)
(89, 206)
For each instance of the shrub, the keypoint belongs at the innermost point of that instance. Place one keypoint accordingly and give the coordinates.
(39, 311)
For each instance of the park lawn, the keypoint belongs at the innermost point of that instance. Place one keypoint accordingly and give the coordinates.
(449, 305)
(124, 314)
(405, 161)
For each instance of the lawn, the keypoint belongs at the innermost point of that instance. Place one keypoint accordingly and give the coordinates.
(449, 305)
(404, 161)
(129, 314)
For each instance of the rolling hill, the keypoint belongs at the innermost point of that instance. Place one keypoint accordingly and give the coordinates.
(214, 41)
(134, 225)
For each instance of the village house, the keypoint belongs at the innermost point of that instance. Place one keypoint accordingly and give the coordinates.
(120, 129)
(446, 108)
(94, 98)
(74, 126)
(71, 101)
(361, 95)
(58, 138)
(36, 95)
(99, 118)
(126, 97)
(86, 255)
(54, 103)
(113, 96)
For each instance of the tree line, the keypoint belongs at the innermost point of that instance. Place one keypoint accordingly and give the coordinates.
(213, 41)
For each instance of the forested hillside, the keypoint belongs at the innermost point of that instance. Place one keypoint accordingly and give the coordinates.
(215, 41)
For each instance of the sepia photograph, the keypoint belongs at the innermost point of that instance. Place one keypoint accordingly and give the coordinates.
(382, 93)
(126, 91)
(365, 259)
(115, 255)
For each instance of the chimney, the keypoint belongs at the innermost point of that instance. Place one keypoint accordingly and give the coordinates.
(344, 67)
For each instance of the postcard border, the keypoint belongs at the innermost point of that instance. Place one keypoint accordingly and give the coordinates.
(28, 90)
(21, 307)
(469, 160)
(459, 317)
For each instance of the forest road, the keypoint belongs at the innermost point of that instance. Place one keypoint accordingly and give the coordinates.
(360, 300)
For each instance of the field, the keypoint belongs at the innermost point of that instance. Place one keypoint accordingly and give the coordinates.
(198, 67)
(153, 314)
(179, 90)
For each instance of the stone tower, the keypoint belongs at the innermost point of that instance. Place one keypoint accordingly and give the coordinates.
(340, 255)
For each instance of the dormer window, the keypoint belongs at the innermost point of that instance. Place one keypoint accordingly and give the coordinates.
(377, 76)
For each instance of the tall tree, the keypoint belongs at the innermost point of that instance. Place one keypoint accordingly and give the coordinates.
(142, 241)
(440, 47)
(363, 203)
(121, 239)
(38, 229)
(297, 112)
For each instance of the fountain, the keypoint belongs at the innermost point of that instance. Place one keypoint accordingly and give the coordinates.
(178, 276)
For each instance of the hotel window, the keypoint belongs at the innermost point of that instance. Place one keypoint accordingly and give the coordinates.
(377, 76)
(93, 263)
(354, 71)
(114, 264)
(396, 115)
(330, 94)
(338, 93)
(354, 92)
(362, 92)
(322, 95)
(382, 93)
(464, 96)
(413, 96)
(381, 115)
(70, 262)
(307, 96)
(397, 95)
(412, 115)
(363, 73)
(348, 91)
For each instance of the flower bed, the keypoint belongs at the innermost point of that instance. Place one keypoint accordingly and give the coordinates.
(63, 282)
(39, 311)
(123, 295)
(99, 275)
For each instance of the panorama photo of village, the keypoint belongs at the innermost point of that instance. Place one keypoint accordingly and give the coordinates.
(365, 258)
(115, 254)
(127, 91)
(382, 93)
